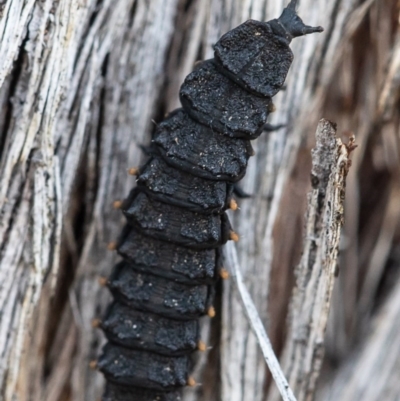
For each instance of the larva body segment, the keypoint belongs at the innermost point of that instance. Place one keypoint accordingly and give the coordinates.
(174, 262)
(255, 57)
(135, 329)
(187, 145)
(173, 224)
(216, 101)
(114, 392)
(158, 295)
(137, 368)
(176, 222)
(176, 187)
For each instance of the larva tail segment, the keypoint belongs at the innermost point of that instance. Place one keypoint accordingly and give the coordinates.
(176, 220)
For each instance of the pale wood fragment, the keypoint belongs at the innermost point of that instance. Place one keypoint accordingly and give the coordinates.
(315, 274)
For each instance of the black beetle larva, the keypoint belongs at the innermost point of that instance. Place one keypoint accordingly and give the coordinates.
(176, 221)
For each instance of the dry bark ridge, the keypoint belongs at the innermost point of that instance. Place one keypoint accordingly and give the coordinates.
(80, 82)
(318, 267)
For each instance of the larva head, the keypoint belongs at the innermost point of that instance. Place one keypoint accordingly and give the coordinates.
(257, 55)
(293, 24)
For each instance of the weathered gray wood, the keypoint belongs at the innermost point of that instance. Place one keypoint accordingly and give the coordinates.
(372, 372)
(85, 87)
(315, 275)
(80, 82)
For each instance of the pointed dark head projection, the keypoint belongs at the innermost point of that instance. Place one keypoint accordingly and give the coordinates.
(293, 24)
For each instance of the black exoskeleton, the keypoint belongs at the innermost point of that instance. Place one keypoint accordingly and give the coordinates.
(176, 221)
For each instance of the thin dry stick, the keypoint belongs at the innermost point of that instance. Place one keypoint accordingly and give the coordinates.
(257, 325)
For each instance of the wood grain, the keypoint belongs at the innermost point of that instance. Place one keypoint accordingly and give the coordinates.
(81, 82)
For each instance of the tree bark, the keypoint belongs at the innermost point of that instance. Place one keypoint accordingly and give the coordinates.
(80, 84)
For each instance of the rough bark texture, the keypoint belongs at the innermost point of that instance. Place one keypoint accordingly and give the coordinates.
(81, 81)
(315, 275)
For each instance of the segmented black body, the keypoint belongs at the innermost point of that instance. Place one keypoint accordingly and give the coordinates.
(176, 221)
